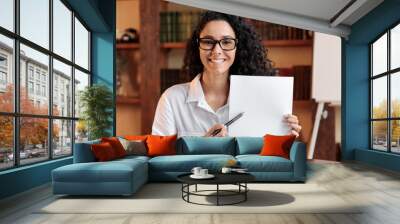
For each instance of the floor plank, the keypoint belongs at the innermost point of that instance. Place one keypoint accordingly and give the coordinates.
(377, 190)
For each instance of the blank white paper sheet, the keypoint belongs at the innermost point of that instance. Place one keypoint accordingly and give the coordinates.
(264, 100)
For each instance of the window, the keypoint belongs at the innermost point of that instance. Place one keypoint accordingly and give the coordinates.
(62, 30)
(62, 74)
(385, 91)
(81, 45)
(7, 14)
(3, 78)
(54, 125)
(3, 61)
(81, 81)
(30, 73)
(38, 89)
(30, 87)
(3, 72)
(37, 74)
(34, 25)
(44, 91)
(43, 77)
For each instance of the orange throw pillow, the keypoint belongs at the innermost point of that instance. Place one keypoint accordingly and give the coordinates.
(103, 151)
(277, 145)
(161, 145)
(116, 145)
(135, 137)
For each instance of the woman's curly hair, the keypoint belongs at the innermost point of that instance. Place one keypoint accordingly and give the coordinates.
(251, 55)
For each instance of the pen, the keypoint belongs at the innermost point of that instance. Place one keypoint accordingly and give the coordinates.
(215, 132)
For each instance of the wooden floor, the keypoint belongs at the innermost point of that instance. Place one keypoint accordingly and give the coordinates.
(377, 188)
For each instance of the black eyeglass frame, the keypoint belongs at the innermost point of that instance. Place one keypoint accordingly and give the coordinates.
(219, 43)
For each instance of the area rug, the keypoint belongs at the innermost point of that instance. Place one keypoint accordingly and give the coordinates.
(167, 198)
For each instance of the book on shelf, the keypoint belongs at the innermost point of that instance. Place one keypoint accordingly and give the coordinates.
(271, 31)
(170, 77)
(178, 26)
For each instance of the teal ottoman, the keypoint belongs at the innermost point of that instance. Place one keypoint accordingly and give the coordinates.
(118, 177)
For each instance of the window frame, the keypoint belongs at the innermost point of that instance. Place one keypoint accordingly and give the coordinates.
(388, 74)
(16, 115)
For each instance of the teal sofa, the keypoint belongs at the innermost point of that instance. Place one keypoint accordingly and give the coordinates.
(125, 176)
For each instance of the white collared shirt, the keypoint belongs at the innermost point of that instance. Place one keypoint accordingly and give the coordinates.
(183, 110)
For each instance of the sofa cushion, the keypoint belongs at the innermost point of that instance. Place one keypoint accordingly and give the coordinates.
(111, 171)
(161, 145)
(134, 147)
(185, 163)
(116, 145)
(103, 151)
(206, 145)
(277, 145)
(132, 158)
(257, 163)
(135, 137)
(248, 145)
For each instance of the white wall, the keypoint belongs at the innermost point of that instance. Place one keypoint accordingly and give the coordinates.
(327, 65)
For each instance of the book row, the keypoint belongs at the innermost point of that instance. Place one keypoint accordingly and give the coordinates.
(178, 26)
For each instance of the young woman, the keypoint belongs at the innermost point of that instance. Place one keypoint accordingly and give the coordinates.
(221, 45)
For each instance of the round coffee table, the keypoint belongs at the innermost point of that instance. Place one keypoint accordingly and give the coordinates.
(238, 179)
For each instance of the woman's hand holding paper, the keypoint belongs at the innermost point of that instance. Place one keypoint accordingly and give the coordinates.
(293, 123)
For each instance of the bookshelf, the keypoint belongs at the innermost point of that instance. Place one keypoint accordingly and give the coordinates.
(155, 48)
(182, 45)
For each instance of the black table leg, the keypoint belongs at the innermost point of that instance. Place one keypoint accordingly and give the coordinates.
(217, 194)
(182, 190)
(188, 189)
(245, 193)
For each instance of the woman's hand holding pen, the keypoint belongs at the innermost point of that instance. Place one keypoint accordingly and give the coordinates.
(293, 123)
(222, 133)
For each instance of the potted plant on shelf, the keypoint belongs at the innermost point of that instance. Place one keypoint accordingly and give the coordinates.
(96, 102)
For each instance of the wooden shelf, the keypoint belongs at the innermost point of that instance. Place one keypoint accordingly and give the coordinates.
(127, 100)
(123, 46)
(174, 45)
(182, 45)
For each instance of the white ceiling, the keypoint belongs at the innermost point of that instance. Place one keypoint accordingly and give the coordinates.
(316, 15)
(321, 9)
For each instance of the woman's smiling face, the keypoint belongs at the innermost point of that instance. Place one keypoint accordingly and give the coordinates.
(217, 60)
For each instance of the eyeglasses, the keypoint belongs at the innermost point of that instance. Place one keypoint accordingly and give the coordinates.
(226, 44)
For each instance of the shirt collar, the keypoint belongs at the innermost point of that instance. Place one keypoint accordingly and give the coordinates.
(196, 92)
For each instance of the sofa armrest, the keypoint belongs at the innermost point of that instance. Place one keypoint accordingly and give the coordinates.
(83, 152)
(298, 157)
